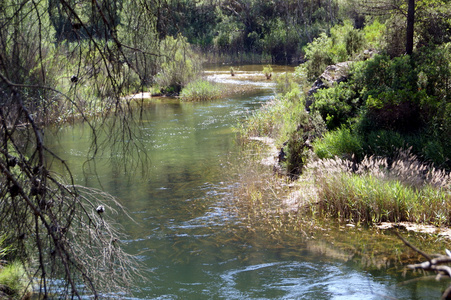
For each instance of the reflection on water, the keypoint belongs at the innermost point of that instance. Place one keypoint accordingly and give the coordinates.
(190, 247)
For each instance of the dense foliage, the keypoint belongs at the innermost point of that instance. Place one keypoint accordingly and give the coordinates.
(386, 100)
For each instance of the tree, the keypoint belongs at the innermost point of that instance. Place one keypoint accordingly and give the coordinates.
(64, 233)
(410, 26)
(430, 18)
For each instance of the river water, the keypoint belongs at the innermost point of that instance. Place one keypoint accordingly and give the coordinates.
(181, 230)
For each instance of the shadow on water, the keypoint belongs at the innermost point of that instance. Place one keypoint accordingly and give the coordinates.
(190, 244)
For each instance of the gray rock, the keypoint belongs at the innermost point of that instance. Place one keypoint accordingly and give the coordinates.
(333, 74)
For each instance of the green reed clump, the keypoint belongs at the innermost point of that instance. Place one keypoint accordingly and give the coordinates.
(200, 90)
(13, 280)
(276, 213)
(377, 190)
(276, 119)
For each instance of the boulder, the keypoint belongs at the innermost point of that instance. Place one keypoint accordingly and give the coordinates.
(333, 74)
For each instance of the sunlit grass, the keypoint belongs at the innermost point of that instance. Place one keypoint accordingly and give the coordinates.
(13, 276)
(376, 191)
(277, 213)
(338, 143)
(200, 90)
(276, 119)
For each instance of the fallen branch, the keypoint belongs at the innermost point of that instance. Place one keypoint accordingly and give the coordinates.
(432, 264)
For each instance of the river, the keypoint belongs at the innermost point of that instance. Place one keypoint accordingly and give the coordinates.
(180, 228)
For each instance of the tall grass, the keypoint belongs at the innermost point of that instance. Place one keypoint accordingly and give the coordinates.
(14, 279)
(275, 213)
(276, 119)
(377, 190)
(200, 90)
(339, 143)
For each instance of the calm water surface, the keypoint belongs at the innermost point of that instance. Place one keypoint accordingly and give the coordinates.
(181, 231)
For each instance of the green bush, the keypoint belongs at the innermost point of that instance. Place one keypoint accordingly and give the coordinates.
(337, 105)
(383, 143)
(282, 41)
(340, 142)
(286, 83)
(343, 44)
(374, 35)
(381, 74)
(299, 143)
(14, 277)
(296, 153)
(267, 70)
(354, 41)
(317, 55)
(200, 90)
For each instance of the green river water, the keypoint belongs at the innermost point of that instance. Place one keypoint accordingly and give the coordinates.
(181, 230)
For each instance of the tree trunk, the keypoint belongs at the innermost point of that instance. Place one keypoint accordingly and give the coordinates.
(410, 26)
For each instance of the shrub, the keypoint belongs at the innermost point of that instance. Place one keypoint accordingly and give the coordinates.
(381, 74)
(339, 143)
(342, 44)
(200, 90)
(395, 110)
(299, 144)
(317, 55)
(395, 36)
(384, 143)
(337, 104)
(282, 41)
(374, 35)
(267, 70)
(354, 41)
(286, 83)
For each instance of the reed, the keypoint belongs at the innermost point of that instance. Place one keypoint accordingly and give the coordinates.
(14, 281)
(276, 119)
(378, 190)
(200, 90)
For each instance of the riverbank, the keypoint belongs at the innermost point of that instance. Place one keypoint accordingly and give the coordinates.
(374, 192)
(268, 202)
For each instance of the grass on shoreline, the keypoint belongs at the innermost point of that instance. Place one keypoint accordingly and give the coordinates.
(334, 200)
(200, 90)
(13, 282)
(280, 213)
(375, 191)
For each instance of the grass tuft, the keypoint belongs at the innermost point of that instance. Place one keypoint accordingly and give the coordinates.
(200, 90)
(14, 280)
